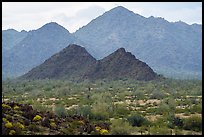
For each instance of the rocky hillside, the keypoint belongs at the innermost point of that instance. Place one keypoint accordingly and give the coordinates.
(22, 119)
(75, 63)
(70, 63)
(121, 65)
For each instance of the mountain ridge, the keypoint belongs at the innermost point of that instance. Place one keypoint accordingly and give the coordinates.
(37, 46)
(163, 45)
(179, 45)
(75, 63)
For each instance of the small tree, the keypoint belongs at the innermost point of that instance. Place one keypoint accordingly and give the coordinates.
(178, 122)
(137, 120)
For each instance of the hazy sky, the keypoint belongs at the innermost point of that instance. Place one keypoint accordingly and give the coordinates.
(73, 15)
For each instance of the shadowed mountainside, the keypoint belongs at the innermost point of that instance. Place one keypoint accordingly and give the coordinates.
(75, 63)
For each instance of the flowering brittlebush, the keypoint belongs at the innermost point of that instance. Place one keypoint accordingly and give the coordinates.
(37, 118)
(103, 131)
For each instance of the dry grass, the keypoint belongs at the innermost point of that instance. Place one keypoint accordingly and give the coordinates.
(183, 115)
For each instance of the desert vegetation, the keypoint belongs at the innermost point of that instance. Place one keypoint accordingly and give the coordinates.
(159, 107)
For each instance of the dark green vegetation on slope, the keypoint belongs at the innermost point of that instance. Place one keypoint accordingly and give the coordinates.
(143, 107)
(75, 63)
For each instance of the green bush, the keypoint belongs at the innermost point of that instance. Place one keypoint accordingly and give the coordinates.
(60, 111)
(85, 111)
(137, 120)
(120, 110)
(157, 95)
(139, 94)
(193, 123)
(196, 109)
(176, 122)
(163, 109)
(99, 116)
(155, 130)
(120, 127)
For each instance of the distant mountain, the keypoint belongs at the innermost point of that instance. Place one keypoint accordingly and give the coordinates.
(75, 63)
(172, 49)
(12, 37)
(35, 48)
(70, 63)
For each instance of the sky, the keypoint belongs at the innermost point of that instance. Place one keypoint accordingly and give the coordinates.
(73, 15)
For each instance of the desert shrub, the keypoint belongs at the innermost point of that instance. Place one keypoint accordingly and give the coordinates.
(193, 123)
(53, 125)
(85, 111)
(178, 122)
(151, 110)
(67, 131)
(137, 120)
(37, 118)
(60, 111)
(157, 95)
(48, 87)
(196, 109)
(175, 122)
(104, 132)
(120, 127)
(139, 94)
(179, 110)
(100, 109)
(29, 101)
(155, 130)
(8, 125)
(163, 109)
(170, 101)
(120, 110)
(34, 127)
(12, 132)
(39, 106)
(28, 88)
(99, 116)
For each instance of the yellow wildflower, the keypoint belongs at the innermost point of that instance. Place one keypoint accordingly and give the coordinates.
(37, 118)
(5, 120)
(6, 106)
(52, 120)
(12, 132)
(53, 125)
(19, 125)
(81, 122)
(98, 128)
(9, 125)
(16, 107)
(103, 131)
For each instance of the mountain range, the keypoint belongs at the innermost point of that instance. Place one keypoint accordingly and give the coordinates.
(75, 63)
(173, 49)
(35, 48)
(169, 48)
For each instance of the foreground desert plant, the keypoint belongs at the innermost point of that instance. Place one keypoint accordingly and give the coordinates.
(120, 127)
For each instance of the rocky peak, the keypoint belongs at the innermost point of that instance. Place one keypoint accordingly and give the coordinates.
(53, 26)
(121, 50)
